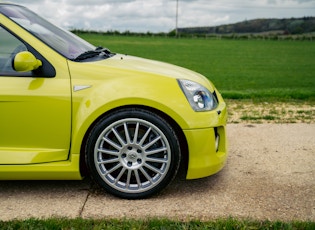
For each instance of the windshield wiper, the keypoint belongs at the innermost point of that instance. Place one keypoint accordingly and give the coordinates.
(99, 51)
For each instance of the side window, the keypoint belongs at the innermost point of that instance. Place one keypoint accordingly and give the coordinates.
(9, 47)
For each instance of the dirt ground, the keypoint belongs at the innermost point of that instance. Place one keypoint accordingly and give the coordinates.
(270, 175)
(247, 111)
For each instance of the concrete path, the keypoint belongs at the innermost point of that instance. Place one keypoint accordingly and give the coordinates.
(270, 174)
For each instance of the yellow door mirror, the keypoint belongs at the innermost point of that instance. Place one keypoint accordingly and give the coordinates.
(25, 61)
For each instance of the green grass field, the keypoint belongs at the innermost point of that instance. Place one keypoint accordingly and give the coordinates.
(239, 68)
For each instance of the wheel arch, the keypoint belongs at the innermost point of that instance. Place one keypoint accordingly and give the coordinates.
(181, 136)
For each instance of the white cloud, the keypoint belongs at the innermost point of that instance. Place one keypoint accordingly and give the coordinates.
(159, 15)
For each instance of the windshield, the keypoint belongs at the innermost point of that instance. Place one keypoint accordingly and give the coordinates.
(64, 42)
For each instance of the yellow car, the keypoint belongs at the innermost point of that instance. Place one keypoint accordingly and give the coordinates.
(69, 109)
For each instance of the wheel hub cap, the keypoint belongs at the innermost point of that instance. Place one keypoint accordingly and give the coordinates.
(132, 155)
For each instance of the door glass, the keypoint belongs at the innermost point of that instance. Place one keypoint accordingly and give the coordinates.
(9, 47)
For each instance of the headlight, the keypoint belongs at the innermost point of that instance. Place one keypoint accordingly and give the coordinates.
(199, 97)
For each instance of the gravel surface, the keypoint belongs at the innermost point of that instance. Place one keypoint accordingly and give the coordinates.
(270, 174)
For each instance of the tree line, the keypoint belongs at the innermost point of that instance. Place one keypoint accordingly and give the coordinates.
(272, 29)
(284, 26)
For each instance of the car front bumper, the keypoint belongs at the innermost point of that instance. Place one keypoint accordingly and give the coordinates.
(206, 157)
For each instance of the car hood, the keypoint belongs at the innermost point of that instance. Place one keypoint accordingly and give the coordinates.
(130, 65)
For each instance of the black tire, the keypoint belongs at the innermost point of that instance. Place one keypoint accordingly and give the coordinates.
(133, 153)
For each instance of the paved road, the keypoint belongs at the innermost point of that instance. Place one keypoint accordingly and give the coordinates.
(270, 174)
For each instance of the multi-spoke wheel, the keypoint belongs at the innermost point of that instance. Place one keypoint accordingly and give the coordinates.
(133, 153)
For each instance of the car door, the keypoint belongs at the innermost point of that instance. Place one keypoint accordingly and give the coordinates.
(35, 111)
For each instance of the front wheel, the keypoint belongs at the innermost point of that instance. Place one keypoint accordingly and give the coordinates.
(133, 153)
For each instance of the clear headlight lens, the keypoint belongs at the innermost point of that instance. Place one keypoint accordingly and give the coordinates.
(199, 97)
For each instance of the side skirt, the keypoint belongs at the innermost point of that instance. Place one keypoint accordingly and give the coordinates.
(62, 170)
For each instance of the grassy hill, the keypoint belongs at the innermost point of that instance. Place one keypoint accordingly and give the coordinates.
(284, 26)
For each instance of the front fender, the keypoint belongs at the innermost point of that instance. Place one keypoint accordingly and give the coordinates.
(92, 103)
(108, 88)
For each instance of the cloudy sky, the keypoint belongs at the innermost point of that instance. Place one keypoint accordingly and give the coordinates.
(160, 15)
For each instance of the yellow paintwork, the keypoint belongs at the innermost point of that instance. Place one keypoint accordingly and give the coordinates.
(205, 161)
(25, 61)
(62, 170)
(46, 119)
